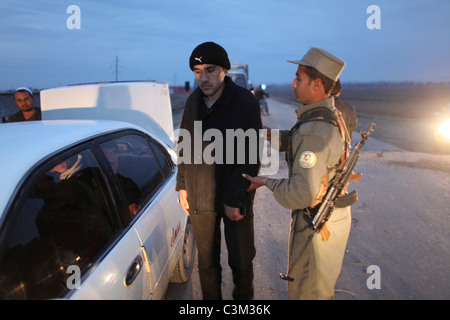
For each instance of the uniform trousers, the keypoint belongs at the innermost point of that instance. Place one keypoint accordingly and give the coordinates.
(239, 238)
(316, 272)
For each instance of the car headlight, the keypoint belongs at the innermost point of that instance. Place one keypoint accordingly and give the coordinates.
(444, 129)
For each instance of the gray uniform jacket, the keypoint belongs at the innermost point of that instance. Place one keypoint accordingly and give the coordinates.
(317, 146)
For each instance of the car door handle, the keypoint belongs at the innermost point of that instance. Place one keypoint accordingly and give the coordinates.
(133, 270)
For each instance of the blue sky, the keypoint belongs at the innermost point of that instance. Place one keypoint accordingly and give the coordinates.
(153, 39)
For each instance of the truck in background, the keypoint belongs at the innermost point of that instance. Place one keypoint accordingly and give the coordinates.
(239, 74)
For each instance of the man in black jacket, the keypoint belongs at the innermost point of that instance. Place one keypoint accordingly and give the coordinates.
(212, 190)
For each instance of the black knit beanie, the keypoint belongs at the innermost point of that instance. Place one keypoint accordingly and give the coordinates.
(209, 53)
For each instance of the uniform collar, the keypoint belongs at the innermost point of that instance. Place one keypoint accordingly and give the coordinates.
(328, 103)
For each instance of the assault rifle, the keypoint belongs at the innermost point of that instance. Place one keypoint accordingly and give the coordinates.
(333, 197)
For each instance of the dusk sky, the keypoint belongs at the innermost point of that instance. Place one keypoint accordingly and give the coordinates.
(42, 45)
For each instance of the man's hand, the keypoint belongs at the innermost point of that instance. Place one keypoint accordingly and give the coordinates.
(184, 202)
(257, 182)
(234, 214)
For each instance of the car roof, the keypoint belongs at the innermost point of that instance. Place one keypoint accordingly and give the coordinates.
(23, 144)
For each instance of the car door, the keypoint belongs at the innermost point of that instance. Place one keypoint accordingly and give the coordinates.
(162, 230)
(135, 179)
(122, 275)
(141, 182)
(160, 233)
(62, 235)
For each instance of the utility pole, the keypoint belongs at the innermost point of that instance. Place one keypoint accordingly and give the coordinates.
(117, 68)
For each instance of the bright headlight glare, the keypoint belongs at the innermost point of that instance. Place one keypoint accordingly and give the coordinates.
(444, 128)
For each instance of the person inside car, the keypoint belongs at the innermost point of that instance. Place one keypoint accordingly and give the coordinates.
(129, 187)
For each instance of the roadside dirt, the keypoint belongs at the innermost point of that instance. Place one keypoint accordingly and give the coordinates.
(404, 113)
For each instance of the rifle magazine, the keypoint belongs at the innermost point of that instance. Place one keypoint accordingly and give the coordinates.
(346, 200)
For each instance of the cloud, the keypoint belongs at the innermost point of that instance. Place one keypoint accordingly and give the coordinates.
(155, 38)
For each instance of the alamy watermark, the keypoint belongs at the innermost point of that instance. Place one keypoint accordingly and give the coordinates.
(73, 281)
(374, 280)
(74, 20)
(374, 20)
(236, 146)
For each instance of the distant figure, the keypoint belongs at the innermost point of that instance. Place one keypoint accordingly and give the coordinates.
(23, 97)
(260, 93)
(348, 110)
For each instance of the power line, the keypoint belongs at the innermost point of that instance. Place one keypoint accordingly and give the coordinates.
(116, 66)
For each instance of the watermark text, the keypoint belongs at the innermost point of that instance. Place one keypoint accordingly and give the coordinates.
(374, 20)
(235, 146)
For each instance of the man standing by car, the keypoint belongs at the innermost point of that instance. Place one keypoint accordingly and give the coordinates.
(23, 97)
(316, 147)
(209, 192)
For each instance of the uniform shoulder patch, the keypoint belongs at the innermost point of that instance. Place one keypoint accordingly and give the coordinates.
(307, 159)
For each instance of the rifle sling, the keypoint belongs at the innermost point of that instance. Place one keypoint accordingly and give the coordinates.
(316, 114)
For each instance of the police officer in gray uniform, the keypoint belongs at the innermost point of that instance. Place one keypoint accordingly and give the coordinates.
(316, 146)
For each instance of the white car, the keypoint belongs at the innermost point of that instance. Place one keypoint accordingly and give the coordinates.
(88, 210)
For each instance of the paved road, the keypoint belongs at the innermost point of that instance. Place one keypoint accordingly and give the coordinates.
(401, 227)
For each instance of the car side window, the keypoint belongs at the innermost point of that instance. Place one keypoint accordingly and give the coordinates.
(164, 159)
(136, 169)
(62, 217)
